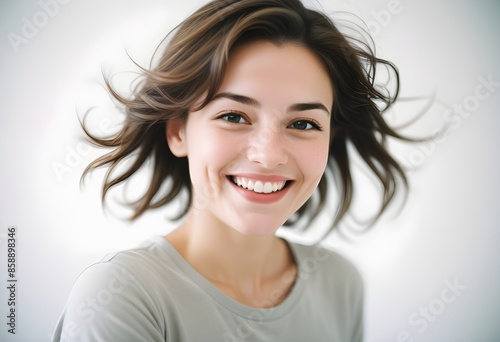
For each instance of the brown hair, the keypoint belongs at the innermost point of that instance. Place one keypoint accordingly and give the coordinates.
(193, 65)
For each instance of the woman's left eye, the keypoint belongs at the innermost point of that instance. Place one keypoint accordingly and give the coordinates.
(233, 118)
(304, 125)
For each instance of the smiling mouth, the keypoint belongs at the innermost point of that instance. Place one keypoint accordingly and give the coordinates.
(260, 187)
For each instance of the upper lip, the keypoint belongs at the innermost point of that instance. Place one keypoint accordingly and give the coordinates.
(261, 177)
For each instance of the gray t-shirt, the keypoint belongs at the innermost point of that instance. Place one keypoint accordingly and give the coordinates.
(152, 294)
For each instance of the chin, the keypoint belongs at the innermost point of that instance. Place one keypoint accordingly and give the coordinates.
(257, 229)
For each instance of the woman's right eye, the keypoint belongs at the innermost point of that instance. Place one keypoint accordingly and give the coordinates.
(233, 118)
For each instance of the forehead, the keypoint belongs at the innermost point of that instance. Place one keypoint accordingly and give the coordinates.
(277, 74)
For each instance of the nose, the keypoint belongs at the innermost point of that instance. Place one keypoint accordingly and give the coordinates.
(267, 148)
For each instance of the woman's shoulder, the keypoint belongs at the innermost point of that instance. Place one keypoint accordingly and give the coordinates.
(148, 260)
(150, 252)
(333, 285)
(123, 282)
(324, 262)
(125, 270)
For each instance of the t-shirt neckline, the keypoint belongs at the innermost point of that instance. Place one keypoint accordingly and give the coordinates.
(248, 312)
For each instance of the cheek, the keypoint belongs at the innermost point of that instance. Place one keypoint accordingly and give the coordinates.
(312, 159)
(210, 153)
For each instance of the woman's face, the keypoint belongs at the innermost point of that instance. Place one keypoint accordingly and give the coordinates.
(258, 150)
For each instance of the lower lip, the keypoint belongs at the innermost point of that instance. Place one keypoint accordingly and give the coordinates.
(260, 198)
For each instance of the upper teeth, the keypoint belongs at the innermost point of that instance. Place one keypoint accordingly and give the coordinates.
(258, 186)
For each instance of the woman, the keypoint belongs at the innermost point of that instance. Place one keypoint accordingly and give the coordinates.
(250, 104)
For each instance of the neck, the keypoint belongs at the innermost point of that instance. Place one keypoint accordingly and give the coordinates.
(228, 258)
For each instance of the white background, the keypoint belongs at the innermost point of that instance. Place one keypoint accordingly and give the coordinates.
(448, 231)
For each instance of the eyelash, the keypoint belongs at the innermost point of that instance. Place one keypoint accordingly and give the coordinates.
(234, 114)
(313, 123)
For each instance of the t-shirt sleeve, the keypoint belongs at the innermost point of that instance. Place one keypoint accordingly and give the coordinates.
(108, 303)
(353, 302)
(358, 309)
(346, 288)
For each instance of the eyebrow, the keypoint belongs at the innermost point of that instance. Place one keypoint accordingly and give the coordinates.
(297, 107)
